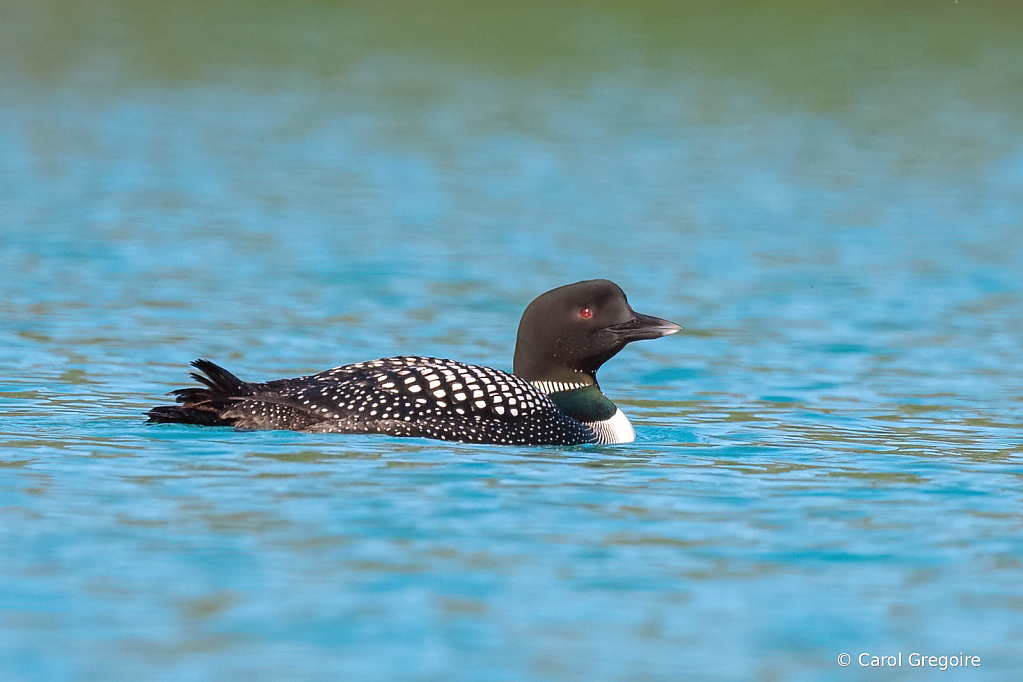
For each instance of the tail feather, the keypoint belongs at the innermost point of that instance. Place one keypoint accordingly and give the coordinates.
(175, 414)
(220, 382)
(203, 406)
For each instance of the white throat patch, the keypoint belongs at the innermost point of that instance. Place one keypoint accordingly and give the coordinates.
(616, 429)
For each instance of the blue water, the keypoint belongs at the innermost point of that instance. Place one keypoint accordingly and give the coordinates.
(828, 458)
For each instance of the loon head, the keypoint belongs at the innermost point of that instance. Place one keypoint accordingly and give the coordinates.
(567, 333)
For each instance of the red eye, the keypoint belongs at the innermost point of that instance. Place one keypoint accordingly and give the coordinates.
(586, 313)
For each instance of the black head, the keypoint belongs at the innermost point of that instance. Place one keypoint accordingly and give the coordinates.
(577, 328)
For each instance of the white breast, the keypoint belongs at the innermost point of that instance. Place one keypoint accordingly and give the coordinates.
(615, 429)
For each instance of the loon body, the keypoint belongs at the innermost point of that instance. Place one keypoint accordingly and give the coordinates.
(552, 398)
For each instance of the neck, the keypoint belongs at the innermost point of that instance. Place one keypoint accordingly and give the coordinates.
(580, 401)
(588, 404)
(556, 379)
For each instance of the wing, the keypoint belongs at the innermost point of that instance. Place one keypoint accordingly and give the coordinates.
(436, 398)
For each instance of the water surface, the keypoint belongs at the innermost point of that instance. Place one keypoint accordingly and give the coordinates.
(827, 198)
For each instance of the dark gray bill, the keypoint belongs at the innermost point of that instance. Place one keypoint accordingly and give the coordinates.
(643, 327)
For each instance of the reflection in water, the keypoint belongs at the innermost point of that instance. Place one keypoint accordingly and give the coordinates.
(827, 461)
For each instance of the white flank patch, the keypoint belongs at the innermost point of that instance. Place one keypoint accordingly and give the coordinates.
(616, 429)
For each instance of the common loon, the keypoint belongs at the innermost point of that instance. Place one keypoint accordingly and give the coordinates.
(552, 398)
